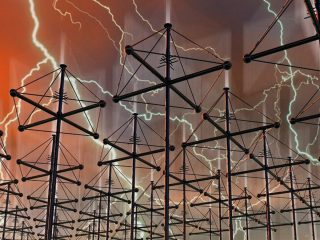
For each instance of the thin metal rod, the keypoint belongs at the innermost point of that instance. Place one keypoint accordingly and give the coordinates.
(109, 200)
(296, 190)
(51, 197)
(246, 217)
(298, 209)
(136, 223)
(63, 116)
(151, 209)
(229, 164)
(313, 16)
(290, 164)
(137, 156)
(133, 181)
(167, 137)
(125, 230)
(293, 202)
(302, 119)
(210, 224)
(266, 177)
(6, 213)
(233, 134)
(220, 205)
(170, 84)
(152, 88)
(15, 223)
(187, 182)
(54, 161)
(184, 196)
(94, 224)
(99, 214)
(106, 141)
(55, 231)
(248, 58)
(273, 226)
(22, 230)
(284, 184)
(311, 212)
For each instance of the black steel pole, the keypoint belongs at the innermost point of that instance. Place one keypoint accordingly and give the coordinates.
(99, 215)
(220, 204)
(15, 223)
(22, 230)
(184, 195)
(94, 224)
(54, 161)
(313, 15)
(167, 136)
(136, 223)
(55, 230)
(210, 223)
(133, 181)
(51, 198)
(151, 209)
(6, 213)
(266, 177)
(125, 229)
(109, 200)
(248, 58)
(293, 206)
(246, 206)
(229, 164)
(311, 212)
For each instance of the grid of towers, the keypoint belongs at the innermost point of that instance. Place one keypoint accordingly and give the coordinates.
(170, 202)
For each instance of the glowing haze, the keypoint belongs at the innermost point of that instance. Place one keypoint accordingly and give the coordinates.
(90, 36)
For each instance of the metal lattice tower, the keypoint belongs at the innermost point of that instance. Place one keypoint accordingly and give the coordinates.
(51, 164)
(13, 214)
(168, 79)
(136, 134)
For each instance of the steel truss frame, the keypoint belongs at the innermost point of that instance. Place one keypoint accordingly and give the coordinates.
(53, 172)
(14, 219)
(169, 84)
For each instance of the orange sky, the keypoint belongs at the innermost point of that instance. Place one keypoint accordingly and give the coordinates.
(90, 53)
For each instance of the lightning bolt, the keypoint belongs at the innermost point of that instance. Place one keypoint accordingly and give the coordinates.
(286, 81)
(66, 14)
(290, 77)
(49, 57)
